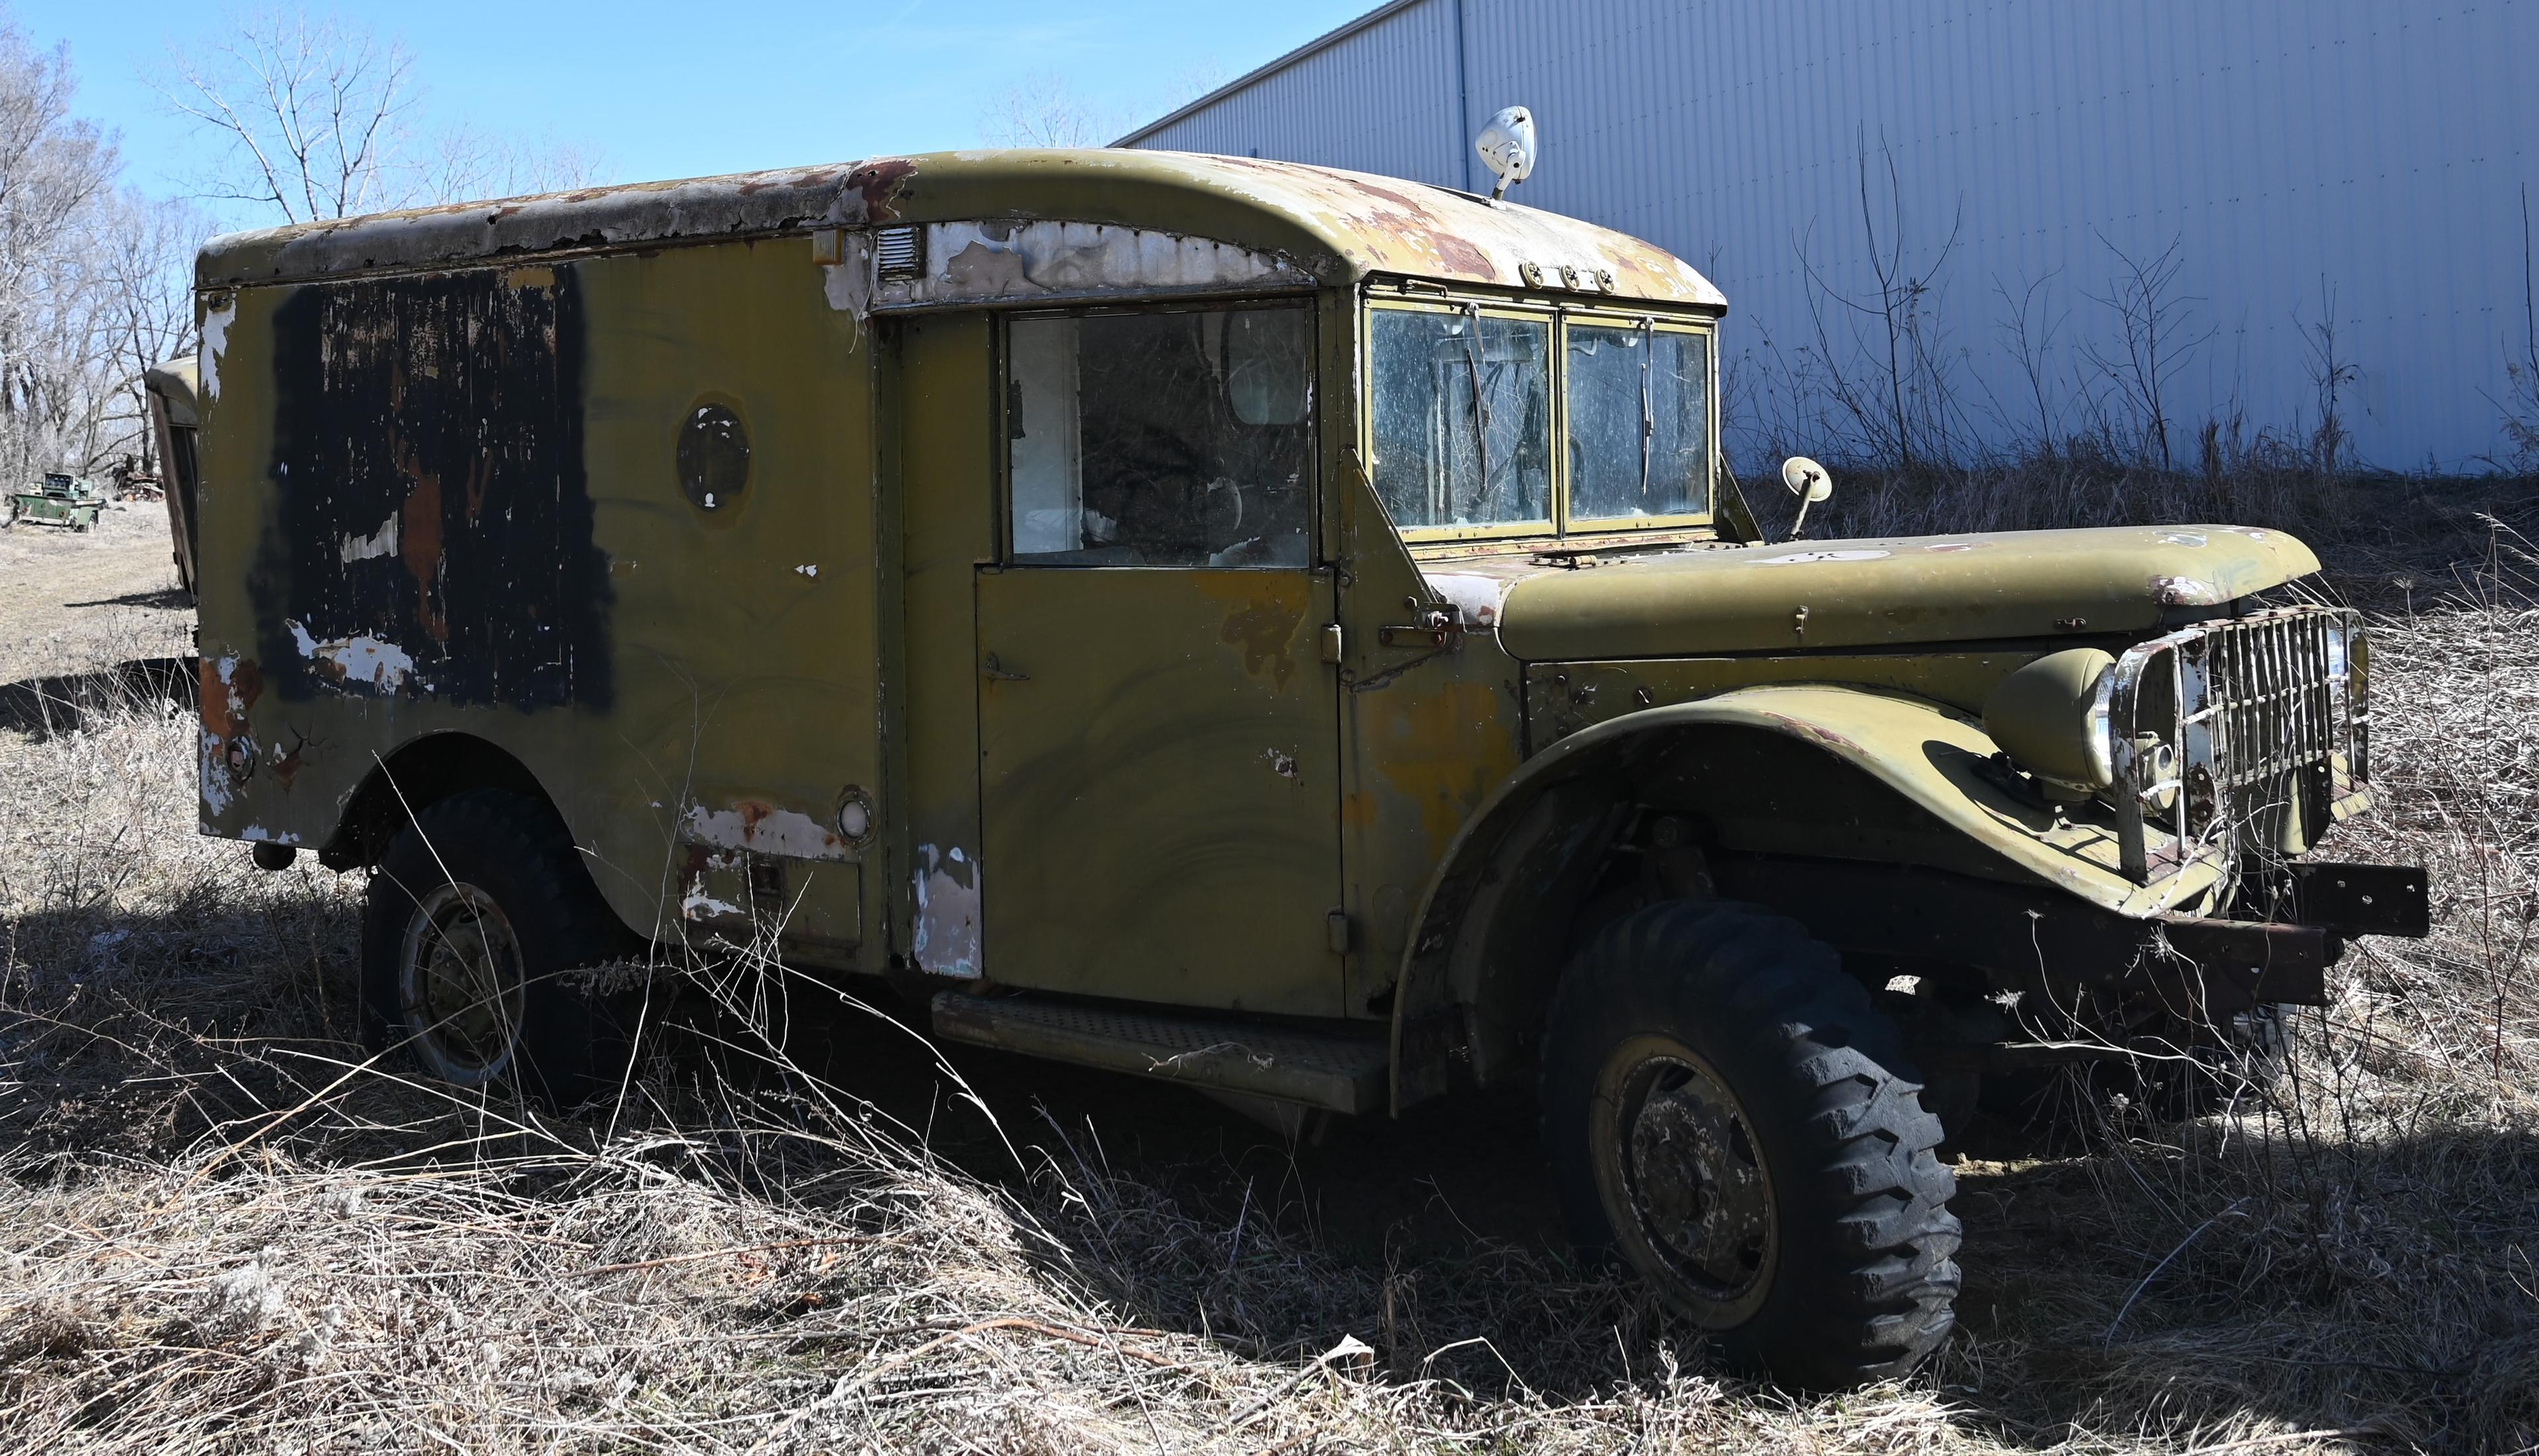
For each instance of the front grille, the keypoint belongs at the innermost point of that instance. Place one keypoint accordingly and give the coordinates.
(2239, 739)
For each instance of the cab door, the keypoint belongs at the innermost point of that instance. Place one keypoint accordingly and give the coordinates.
(1159, 762)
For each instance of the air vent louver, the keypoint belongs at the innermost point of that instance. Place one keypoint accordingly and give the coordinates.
(900, 252)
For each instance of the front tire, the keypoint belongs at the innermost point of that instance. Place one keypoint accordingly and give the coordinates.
(476, 914)
(1726, 1111)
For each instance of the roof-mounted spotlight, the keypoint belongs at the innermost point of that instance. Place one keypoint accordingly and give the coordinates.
(1507, 146)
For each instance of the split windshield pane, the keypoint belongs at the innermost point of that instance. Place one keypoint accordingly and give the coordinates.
(1161, 438)
(1639, 423)
(1462, 419)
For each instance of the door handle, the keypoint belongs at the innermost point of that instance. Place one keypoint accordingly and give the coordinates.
(995, 671)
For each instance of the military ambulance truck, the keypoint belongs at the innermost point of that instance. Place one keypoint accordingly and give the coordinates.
(1278, 630)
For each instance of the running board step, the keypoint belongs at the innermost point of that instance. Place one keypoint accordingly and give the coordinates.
(1318, 1070)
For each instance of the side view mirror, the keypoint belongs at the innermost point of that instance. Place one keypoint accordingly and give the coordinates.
(1809, 482)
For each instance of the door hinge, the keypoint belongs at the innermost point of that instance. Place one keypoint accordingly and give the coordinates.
(1335, 644)
(1338, 921)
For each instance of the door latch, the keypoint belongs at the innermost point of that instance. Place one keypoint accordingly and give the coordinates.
(995, 671)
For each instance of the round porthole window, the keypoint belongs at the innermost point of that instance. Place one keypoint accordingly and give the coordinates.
(714, 457)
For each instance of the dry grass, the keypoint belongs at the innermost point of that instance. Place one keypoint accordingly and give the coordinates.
(221, 1233)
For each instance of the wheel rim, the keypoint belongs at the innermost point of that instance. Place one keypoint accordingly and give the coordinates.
(1683, 1180)
(459, 983)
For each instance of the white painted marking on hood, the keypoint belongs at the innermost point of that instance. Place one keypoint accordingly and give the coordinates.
(1796, 557)
(1480, 599)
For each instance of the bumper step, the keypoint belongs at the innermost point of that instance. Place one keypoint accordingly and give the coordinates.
(1340, 1074)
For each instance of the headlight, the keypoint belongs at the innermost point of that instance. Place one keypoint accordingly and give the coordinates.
(2051, 718)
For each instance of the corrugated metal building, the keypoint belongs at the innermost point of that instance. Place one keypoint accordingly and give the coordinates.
(2360, 163)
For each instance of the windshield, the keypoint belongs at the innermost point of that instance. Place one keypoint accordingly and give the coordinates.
(1639, 422)
(1463, 418)
(1461, 406)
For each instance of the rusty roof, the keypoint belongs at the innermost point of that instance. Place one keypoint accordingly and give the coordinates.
(1340, 226)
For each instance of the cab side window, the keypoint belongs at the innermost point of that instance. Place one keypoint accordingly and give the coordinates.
(1163, 437)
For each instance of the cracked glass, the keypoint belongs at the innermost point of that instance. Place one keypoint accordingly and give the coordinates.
(1639, 422)
(1180, 438)
(1462, 419)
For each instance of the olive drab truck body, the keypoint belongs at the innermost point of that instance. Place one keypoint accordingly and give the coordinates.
(1219, 619)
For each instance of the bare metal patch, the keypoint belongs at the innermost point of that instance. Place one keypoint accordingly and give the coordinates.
(765, 829)
(946, 939)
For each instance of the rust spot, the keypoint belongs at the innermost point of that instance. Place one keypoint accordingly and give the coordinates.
(1267, 633)
(880, 184)
(419, 542)
(223, 705)
(1462, 257)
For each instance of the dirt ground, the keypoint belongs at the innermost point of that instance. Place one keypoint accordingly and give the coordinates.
(75, 601)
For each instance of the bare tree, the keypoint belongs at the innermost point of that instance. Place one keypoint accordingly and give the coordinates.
(1042, 110)
(142, 269)
(56, 175)
(314, 112)
(464, 163)
(2156, 338)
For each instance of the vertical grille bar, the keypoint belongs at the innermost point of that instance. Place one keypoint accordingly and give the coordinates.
(2265, 714)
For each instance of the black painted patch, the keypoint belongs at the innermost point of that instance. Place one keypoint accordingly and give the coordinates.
(428, 447)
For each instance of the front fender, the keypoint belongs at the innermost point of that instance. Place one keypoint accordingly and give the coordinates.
(1804, 770)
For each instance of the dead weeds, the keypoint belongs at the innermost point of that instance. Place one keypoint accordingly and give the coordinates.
(222, 1231)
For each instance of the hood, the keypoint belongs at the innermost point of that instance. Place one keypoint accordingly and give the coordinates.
(1871, 592)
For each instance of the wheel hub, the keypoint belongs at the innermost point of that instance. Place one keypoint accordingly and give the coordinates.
(1699, 1199)
(461, 985)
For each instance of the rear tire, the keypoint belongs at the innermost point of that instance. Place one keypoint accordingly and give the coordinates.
(477, 912)
(1726, 1111)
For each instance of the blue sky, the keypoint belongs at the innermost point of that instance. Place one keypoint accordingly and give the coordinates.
(680, 90)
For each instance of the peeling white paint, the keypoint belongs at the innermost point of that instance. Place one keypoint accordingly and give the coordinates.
(1480, 598)
(946, 937)
(2184, 538)
(216, 342)
(214, 775)
(984, 262)
(765, 829)
(2186, 591)
(381, 542)
(1796, 557)
(808, 569)
(1283, 764)
(700, 906)
(259, 834)
(359, 658)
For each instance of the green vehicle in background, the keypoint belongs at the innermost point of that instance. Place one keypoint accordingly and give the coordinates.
(1277, 630)
(62, 500)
